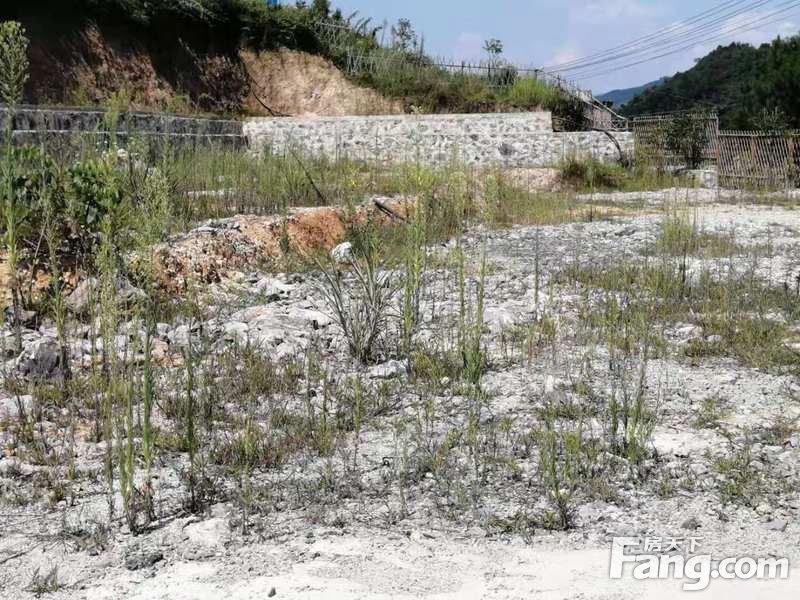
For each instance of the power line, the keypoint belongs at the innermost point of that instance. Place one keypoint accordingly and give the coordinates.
(742, 28)
(590, 74)
(692, 34)
(665, 32)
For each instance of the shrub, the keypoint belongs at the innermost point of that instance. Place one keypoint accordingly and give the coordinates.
(13, 62)
(686, 135)
(591, 173)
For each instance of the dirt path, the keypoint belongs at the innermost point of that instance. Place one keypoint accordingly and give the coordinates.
(372, 565)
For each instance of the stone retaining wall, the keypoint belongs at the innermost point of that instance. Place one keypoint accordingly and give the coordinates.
(508, 139)
(79, 126)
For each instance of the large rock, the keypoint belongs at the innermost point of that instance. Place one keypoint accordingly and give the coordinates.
(82, 296)
(42, 360)
(388, 370)
(140, 557)
(13, 407)
(87, 292)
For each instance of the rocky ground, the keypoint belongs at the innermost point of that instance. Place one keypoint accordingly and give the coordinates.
(365, 519)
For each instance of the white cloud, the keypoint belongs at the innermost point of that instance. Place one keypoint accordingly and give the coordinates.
(619, 12)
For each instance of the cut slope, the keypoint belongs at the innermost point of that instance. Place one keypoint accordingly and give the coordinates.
(297, 83)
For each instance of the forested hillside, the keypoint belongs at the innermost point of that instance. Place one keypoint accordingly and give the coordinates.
(750, 87)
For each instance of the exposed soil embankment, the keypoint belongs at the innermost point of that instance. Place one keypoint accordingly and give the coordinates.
(206, 254)
(298, 83)
(5, 281)
(89, 64)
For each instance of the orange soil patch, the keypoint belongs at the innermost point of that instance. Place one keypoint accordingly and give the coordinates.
(5, 282)
(209, 253)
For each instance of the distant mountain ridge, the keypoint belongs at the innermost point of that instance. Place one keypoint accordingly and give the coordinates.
(744, 84)
(621, 97)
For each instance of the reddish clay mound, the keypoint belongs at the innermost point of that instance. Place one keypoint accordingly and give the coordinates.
(209, 252)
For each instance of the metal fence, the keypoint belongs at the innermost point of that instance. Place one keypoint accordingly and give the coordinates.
(679, 140)
(758, 159)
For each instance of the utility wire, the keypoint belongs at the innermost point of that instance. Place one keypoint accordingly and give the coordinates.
(665, 33)
(693, 34)
(742, 28)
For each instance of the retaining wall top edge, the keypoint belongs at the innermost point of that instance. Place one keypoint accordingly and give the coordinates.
(405, 116)
(102, 111)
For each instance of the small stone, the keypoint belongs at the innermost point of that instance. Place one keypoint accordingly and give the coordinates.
(129, 294)
(42, 360)
(698, 468)
(779, 525)
(343, 253)
(627, 231)
(235, 332)
(180, 336)
(86, 292)
(81, 297)
(763, 509)
(141, 558)
(388, 370)
(27, 318)
(691, 523)
(273, 290)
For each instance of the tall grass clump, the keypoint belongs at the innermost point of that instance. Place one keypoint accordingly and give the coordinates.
(361, 306)
(13, 75)
(682, 235)
(591, 174)
(560, 466)
(416, 260)
(471, 321)
(530, 92)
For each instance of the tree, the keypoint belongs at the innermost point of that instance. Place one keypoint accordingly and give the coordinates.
(403, 35)
(686, 135)
(493, 47)
(771, 121)
(321, 8)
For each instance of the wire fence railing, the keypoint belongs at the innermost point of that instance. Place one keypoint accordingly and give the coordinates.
(679, 140)
(759, 159)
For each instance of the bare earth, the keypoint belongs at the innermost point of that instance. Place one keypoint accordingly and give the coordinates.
(296, 83)
(352, 545)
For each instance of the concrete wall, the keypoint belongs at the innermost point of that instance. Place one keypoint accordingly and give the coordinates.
(80, 126)
(510, 139)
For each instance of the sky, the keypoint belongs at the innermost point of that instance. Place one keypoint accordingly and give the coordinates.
(547, 32)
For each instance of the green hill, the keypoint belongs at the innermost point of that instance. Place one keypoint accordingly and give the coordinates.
(742, 82)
